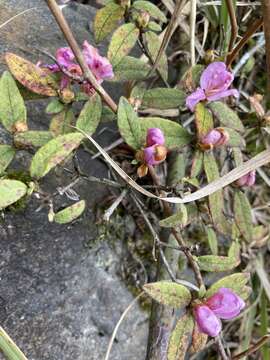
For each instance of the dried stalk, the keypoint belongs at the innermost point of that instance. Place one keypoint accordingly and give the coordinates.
(266, 21)
(233, 20)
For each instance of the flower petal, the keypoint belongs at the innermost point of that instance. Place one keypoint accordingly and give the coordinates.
(222, 94)
(64, 56)
(207, 321)
(155, 136)
(193, 99)
(225, 304)
(211, 138)
(212, 72)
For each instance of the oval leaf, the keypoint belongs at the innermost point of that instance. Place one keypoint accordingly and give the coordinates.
(130, 68)
(214, 263)
(31, 76)
(152, 9)
(237, 282)
(12, 108)
(54, 107)
(29, 139)
(90, 115)
(153, 44)
(168, 293)
(212, 241)
(226, 116)
(70, 213)
(106, 20)
(203, 120)
(60, 123)
(6, 155)
(180, 338)
(10, 192)
(129, 124)
(53, 153)
(163, 98)
(243, 215)
(199, 340)
(178, 219)
(123, 40)
(175, 134)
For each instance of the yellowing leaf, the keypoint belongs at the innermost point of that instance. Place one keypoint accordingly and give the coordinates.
(106, 20)
(123, 40)
(213, 263)
(10, 192)
(31, 76)
(163, 98)
(90, 115)
(203, 120)
(70, 213)
(168, 293)
(32, 138)
(12, 108)
(180, 218)
(180, 338)
(60, 123)
(53, 153)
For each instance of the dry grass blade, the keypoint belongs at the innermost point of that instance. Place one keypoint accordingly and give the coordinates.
(252, 164)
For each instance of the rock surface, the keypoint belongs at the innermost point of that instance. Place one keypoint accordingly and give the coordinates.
(59, 299)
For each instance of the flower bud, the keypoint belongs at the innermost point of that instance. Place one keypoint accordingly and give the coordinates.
(67, 96)
(155, 136)
(206, 320)
(225, 304)
(155, 154)
(209, 56)
(142, 170)
(247, 180)
(215, 137)
(143, 19)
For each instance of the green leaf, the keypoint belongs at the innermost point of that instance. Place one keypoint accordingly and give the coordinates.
(60, 123)
(129, 124)
(243, 215)
(53, 153)
(153, 44)
(107, 20)
(54, 107)
(168, 293)
(175, 134)
(212, 240)
(163, 98)
(9, 348)
(70, 213)
(197, 164)
(180, 337)
(178, 219)
(234, 250)
(226, 116)
(12, 108)
(213, 263)
(152, 9)
(31, 76)
(130, 68)
(90, 115)
(203, 120)
(216, 201)
(191, 79)
(152, 25)
(10, 192)
(123, 40)
(31, 138)
(235, 139)
(236, 282)
(7, 153)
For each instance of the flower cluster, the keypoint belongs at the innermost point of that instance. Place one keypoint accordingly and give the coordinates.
(224, 304)
(155, 151)
(214, 85)
(99, 65)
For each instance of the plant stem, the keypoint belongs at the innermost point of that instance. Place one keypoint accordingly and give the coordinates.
(233, 20)
(88, 75)
(266, 21)
(221, 349)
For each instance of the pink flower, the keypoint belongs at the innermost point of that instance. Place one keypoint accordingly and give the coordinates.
(214, 85)
(215, 137)
(224, 304)
(100, 66)
(65, 57)
(155, 152)
(155, 136)
(207, 321)
(247, 180)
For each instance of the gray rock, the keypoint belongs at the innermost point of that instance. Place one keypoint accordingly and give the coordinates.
(58, 298)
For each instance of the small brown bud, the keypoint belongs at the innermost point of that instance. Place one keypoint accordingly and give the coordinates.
(209, 56)
(161, 153)
(142, 170)
(67, 96)
(143, 19)
(20, 126)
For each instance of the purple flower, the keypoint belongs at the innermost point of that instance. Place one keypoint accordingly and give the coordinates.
(214, 85)
(215, 137)
(155, 152)
(247, 180)
(207, 321)
(155, 136)
(100, 66)
(225, 304)
(65, 57)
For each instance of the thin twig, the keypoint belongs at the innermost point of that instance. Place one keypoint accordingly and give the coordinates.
(251, 30)
(108, 213)
(253, 348)
(266, 22)
(118, 325)
(89, 76)
(233, 20)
